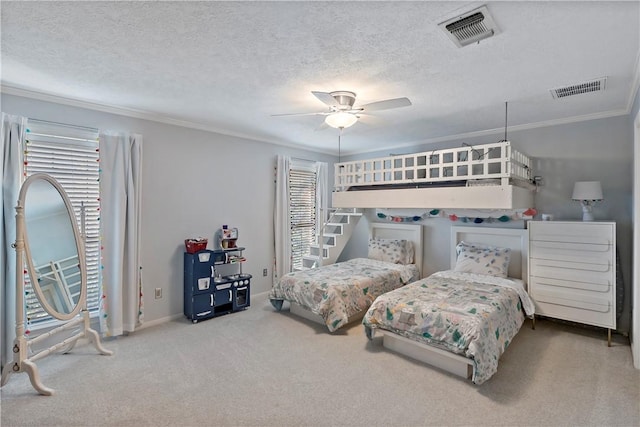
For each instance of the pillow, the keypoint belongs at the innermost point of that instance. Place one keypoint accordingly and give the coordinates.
(481, 259)
(391, 250)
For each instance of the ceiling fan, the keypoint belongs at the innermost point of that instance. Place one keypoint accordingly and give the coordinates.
(342, 113)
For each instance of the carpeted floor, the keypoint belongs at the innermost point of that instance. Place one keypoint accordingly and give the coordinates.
(263, 368)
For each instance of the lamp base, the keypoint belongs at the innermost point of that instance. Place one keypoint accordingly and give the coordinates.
(587, 214)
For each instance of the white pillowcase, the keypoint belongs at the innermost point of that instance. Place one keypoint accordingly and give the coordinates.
(395, 251)
(481, 259)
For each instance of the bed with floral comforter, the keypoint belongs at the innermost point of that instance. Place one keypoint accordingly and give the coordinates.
(472, 315)
(338, 291)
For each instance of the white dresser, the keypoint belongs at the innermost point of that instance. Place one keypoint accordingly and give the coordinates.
(572, 271)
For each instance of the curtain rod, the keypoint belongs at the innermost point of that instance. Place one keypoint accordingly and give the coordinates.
(63, 124)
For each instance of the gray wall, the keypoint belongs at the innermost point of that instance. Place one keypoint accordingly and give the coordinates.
(195, 181)
(594, 150)
(635, 304)
(192, 182)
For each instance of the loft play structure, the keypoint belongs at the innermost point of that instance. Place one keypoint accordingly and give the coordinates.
(490, 176)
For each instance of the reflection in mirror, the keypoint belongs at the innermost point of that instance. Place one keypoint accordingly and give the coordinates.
(52, 251)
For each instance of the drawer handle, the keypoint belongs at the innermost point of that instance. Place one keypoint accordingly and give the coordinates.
(582, 305)
(560, 238)
(573, 265)
(588, 286)
(587, 247)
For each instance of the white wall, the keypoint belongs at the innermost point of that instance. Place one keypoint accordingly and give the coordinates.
(595, 150)
(192, 182)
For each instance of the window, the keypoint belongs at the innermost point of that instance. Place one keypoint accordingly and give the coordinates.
(70, 154)
(302, 208)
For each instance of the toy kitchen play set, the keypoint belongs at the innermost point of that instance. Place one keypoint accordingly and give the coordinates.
(214, 283)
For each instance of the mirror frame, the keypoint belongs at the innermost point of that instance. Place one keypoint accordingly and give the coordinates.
(79, 247)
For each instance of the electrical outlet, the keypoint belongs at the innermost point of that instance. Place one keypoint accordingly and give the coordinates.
(264, 272)
(158, 293)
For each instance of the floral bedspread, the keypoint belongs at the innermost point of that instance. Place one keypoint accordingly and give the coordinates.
(472, 315)
(338, 291)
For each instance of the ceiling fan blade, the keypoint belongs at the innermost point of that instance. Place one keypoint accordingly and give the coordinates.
(326, 97)
(300, 114)
(387, 104)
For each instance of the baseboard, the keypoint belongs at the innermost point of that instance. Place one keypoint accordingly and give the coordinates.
(159, 321)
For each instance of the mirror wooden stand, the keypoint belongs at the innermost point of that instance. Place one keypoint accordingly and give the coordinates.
(42, 200)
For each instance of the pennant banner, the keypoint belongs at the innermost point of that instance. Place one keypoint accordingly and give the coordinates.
(463, 215)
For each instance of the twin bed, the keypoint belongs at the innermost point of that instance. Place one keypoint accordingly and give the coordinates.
(338, 294)
(460, 320)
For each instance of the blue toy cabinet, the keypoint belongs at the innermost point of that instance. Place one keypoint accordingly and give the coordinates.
(209, 293)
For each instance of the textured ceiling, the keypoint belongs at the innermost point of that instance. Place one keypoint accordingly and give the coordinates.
(229, 66)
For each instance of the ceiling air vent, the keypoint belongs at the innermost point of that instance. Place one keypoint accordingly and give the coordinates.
(470, 27)
(586, 87)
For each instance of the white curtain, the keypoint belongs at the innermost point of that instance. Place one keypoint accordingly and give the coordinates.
(282, 219)
(322, 194)
(12, 134)
(121, 307)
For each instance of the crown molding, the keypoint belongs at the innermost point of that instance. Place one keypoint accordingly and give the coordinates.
(145, 115)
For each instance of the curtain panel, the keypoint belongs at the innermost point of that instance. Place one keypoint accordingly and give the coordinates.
(282, 219)
(12, 134)
(322, 195)
(121, 308)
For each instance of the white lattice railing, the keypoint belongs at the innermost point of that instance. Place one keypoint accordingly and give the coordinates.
(60, 282)
(488, 161)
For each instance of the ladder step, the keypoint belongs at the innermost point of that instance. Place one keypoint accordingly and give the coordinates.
(317, 246)
(315, 251)
(313, 257)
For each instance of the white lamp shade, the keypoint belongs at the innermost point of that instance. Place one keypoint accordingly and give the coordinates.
(341, 120)
(587, 190)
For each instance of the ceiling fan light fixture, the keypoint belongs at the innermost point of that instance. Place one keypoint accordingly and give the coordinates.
(341, 120)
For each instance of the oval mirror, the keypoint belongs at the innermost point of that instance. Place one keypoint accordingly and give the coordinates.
(53, 247)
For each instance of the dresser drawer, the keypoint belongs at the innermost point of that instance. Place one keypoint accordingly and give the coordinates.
(572, 260)
(581, 315)
(571, 251)
(576, 232)
(571, 270)
(602, 286)
(595, 301)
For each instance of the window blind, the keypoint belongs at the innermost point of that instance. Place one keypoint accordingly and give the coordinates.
(302, 205)
(70, 154)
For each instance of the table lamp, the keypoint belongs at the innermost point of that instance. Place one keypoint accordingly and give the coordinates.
(587, 193)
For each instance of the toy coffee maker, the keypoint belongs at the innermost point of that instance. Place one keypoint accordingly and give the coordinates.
(229, 237)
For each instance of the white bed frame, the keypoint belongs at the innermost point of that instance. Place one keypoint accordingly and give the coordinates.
(390, 230)
(517, 240)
